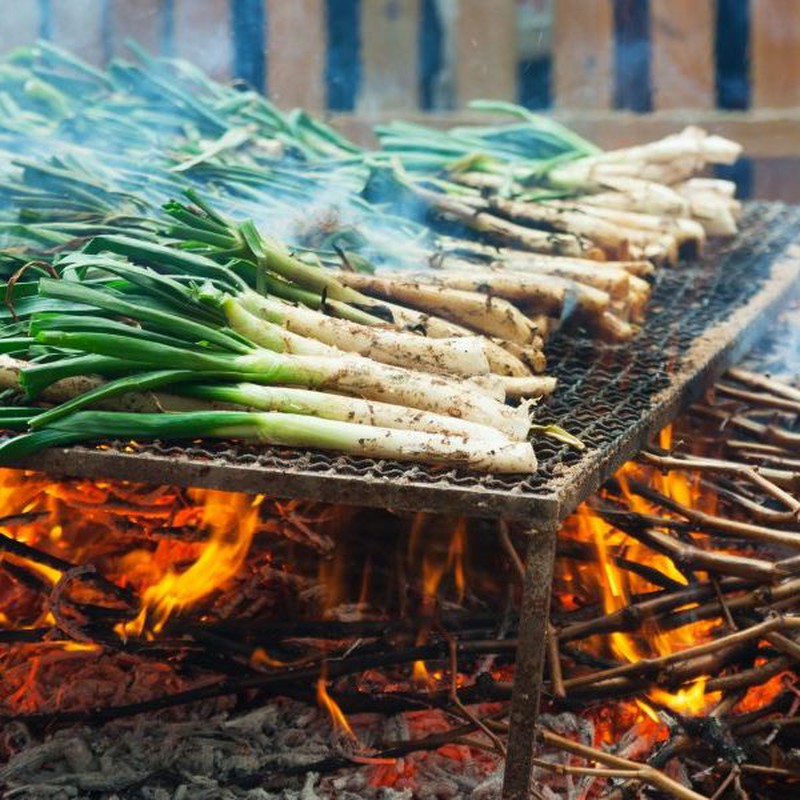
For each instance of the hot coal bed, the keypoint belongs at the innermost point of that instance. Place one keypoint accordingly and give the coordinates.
(168, 642)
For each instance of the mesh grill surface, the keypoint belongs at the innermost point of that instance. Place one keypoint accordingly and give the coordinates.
(604, 391)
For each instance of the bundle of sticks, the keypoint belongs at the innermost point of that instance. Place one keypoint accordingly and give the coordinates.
(722, 514)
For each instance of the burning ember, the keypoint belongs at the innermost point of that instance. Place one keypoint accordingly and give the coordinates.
(345, 638)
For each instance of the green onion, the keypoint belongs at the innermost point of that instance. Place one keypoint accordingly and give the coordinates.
(275, 428)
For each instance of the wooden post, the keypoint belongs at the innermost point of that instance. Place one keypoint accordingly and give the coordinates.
(203, 35)
(77, 25)
(296, 43)
(485, 50)
(775, 53)
(389, 55)
(583, 53)
(142, 21)
(25, 27)
(682, 42)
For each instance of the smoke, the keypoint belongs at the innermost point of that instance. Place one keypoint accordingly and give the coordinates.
(779, 354)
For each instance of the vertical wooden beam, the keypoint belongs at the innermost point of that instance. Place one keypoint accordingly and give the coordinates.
(203, 35)
(25, 27)
(142, 21)
(296, 44)
(682, 45)
(775, 53)
(583, 53)
(389, 55)
(77, 25)
(486, 59)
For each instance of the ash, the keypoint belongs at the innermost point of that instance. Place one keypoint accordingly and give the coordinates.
(278, 751)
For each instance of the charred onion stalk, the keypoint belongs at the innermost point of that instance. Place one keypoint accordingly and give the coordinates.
(542, 196)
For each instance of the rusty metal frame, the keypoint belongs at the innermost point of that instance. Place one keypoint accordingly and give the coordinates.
(529, 664)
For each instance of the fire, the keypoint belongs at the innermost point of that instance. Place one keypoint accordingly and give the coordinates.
(616, 586)
(420, 674)
(232, 520)
(260, 659)
(336, 714)
(170, 549)
(178, 551)
(435, 565)
(759, 696)
(686, 701)
(427, 556)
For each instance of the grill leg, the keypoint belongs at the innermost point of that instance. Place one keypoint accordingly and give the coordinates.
(531, 649)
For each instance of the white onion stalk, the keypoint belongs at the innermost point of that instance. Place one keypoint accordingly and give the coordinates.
(454, 356)
(634, 194)
(564, 218)
(530, 354)
(490, 315)
(340, 407)
(491, 385)
(533, 386)
(613, 280)
(716, 185)
(712, 205)
(662, 161)
(457, 251)
(350, 374)
(291, 430)
(546, 293)
(507, 233)
(434, 327)
(685, 231)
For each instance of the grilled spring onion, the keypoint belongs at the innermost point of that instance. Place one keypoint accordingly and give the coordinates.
(135, 393)
(338, 407)
(491, 315)
(276, 428)
(167, 330)
(454, 355)
(464, 355)
(347, 374)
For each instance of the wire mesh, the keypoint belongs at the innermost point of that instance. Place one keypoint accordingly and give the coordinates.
(611, 396)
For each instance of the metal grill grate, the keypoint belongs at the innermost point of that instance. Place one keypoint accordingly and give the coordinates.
(702, 316)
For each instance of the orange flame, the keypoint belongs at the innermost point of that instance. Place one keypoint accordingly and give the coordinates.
(617, 585)
(435, 565)
(338, 718)
(232, 520)
(260, 659)
(420, 674)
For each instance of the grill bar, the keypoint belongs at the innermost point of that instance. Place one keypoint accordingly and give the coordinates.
(702, 317)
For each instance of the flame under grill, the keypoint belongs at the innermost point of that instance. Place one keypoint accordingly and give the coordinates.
(702, 317)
